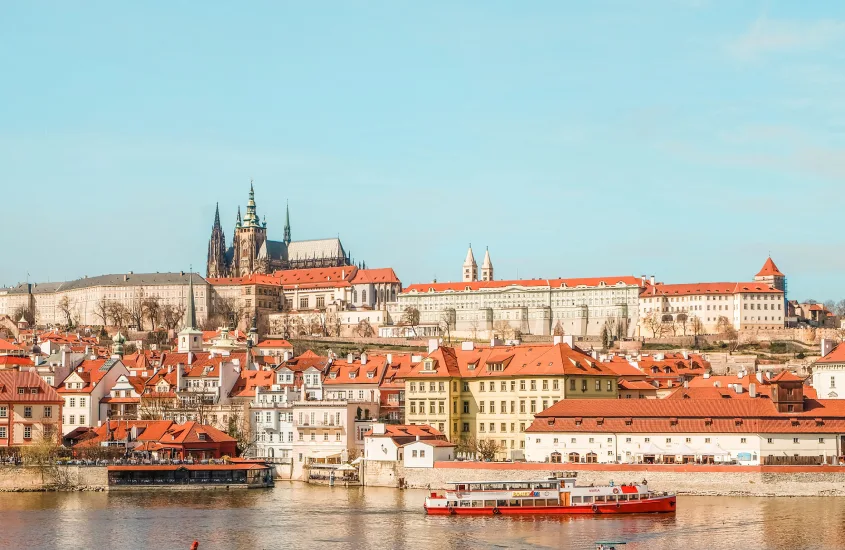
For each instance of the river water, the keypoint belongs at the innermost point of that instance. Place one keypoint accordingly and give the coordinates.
(296, 515)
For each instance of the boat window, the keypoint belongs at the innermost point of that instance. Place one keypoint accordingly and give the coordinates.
(634, 497)
(501, 503)
(623, 497)
(599, 498)
(515, 502)
(462, 488)
(517, 486)
(477, 503)
(489, 503)
(475, 487)
(588, 500)
(495, 486)
(576, 500)
(611, 498)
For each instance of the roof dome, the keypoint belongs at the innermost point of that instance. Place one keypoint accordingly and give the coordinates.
(118, 338)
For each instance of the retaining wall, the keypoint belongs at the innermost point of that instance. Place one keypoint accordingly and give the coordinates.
(81, 478)
(681, 479)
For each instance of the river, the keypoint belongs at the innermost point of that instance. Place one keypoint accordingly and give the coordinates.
(296, 515)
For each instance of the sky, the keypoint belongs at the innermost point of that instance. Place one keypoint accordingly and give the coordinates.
(686, 139)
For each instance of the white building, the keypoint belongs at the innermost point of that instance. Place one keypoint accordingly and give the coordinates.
(784, 429)
(424, 453)
(385, 442)
(272, 421)
(829, 372)
(84, 388)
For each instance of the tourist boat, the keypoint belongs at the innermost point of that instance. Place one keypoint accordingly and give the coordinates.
(552, 496)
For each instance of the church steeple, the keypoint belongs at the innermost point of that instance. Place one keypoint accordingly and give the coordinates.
(487, 267)
(238, 219)
(191, 310)
(190, 338)
(216, 263)
(470, 267)
(287, 224)
(251, 217)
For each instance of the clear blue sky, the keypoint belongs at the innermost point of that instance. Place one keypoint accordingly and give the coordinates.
(684, 139)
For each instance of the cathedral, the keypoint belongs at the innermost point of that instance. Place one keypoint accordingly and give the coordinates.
(251, 251)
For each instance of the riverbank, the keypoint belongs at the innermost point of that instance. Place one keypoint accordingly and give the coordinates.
(697, 480)
(53, 478)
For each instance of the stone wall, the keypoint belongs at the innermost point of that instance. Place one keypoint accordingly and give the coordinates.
(79, 478)
(681, 479)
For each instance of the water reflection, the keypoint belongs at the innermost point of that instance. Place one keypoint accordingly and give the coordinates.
(293, 515)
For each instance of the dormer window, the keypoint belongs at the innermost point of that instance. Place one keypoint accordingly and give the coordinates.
(353, 374)
(496, 367)
(371, 374)
(332, 375)
(428, 365)
(471, 366)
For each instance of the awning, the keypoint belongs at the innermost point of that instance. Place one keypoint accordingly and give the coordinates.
(712, 450)
(682, 450)
(323, 454)
(651, 449)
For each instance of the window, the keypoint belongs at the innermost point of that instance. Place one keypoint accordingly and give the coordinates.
(647, 439)
(627, 440)
(431, 407)
(481, 386)
(321, 302)
(555, 385)
(513, 385)
(72, 402)
(27, 412)
(742, 440)
(504, 386)
(769, 440)
(414, 453)
(492, 427)
(832, 382)
(522, 406)
(533, 406)
(481, 406)
(492, 407)
(610, 385)
(441, 386)
(522, 385)
(492, 385)
(2, 432)
(466, 407)
(422, 453)
(82, 419)
(592, 440)
(27, 432)
(441, 408)
(337, 436)
(821, 440)
(465, 427)
(533, 385)
(303, 302)
(688, 440)
(313, 437)
(707, 440)
(413, 407)
(481, 427)
(795, 440)
(598, 385)
(571, 384)
(522, 426)
(583, 385)
(466, 386)
(81, 401)
(48, 412)
(413, 387)
(4, 412)
(364, 296)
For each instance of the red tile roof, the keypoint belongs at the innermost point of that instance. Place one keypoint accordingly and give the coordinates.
(769, 269)
(695, 289)
(689, 416)
(11, 381)
(15, 361)
(407, 430)
(90, 373)
(636, 385)
(249, 380)
(278, 343)
(785, 376)
(6, 347)
(837, 355)
(380, 275)
(343, 372)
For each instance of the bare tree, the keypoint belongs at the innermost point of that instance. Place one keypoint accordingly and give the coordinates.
(230, 309)
(239, 428)
(473, 328)
(333, 324)
(503, 329)
(682, 319)
(283, 325)
(118, 313)
(65, 309)
(654, 322)
(364, 329)
(558, 330)
(135, 311)
(727, 330)
(483, 449)
(411, 318)
(172, 315)
(25, 312)
(151, 309)
(446, 323)
(101, 310)
(697, 326)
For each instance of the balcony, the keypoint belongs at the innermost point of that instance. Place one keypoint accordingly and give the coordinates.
(317, 424)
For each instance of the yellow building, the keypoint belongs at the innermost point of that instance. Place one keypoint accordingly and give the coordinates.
(494, 392)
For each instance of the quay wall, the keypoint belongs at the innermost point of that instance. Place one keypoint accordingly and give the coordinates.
(760, 481)
(53, 477)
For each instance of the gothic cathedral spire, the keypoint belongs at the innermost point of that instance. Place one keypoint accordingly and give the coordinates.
(216, 263)
(287, 224)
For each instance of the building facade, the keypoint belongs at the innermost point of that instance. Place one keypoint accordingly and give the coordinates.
(252, 252)
(30, 410)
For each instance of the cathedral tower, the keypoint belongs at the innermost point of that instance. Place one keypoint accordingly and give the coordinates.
(250, 235)
(216, 265)
(470, 267)
(487, 267)
(287, 225)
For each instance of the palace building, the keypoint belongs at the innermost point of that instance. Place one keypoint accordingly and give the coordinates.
(252, 252)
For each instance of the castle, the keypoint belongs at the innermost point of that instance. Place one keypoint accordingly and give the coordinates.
(252, 252)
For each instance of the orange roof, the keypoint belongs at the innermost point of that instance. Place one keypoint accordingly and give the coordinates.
(90, 371)
(522, 360)
(694, 289)
(407, 430)
(6, 346)
(343, 372)
(395, 372)
(769, 269)
(305, 361)
(837, 355)
(254, 279)
(786, 376)
(635, 385)
(763, 391)
(189, 433)
(548, 283)
(14, 360)
(380, 275)
(249, 380)
(274, 344)
(11, 381)
(689, 416)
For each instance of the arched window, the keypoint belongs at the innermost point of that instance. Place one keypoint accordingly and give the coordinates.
(354, 295)
(364, 296)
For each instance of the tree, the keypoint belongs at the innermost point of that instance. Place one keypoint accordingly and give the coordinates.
(612, 330)
(64, 308)
(411, 318)
(727, 330)
(503, 329)
(839, 309)
(135, 311)
(283, 325)
(558, 330)
(151, 309)
(482, 449)
(697, 326)
(172, 315)
(239, 428)
(101, 310)
(445, 324)
(118, 313)
(488, 448)
(654, 322)
(25, 312)
(333, 324)
(43, 454)
(229, 310)
(682, 319)
(364, 329)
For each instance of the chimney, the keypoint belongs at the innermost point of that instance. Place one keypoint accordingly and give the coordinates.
(738, 388)
(642, 280)
(752, 390)
(760, 377)
(651, 280)
(416, 359)
(350, 358)
(827, 346)
(389, 358)
(364, 358)
(169, 369)
(433, 344)
(686, 383)
(768, 375)
(287, 355)
(717, 384)
(79, 369)
(467, 346)
(557, 339)
(66, 356)
(706, 375)
(418, 438)
(569, 340)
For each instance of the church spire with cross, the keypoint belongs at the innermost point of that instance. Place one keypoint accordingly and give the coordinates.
(287, 224)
